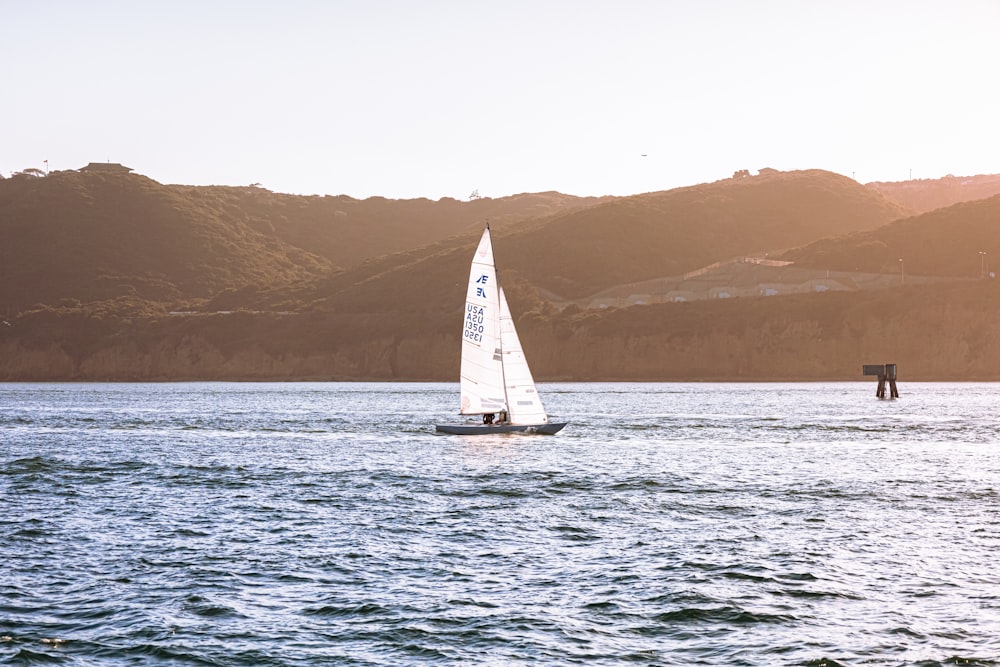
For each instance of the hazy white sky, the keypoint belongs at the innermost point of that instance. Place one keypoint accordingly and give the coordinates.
(437, 99)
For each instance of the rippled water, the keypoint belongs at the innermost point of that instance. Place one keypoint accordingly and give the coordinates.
(669, 524)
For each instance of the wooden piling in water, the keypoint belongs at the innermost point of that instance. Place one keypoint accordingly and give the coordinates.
(886, 374)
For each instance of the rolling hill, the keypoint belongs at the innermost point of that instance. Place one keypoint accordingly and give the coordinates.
(925, 195)
(94, 235)
(94, 263)
(944, 242)
(347, 231)
(577, 253)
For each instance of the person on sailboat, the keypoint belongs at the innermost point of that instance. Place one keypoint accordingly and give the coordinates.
(503, 417)
(488, 418)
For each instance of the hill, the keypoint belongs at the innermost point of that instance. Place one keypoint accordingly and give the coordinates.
(945, 242)
(347, 231)
(941, 332)
(98, 234)
(114, 254)
(925, 195)
(577, 253)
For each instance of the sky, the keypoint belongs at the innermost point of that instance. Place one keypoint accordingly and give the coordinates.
(407, 99)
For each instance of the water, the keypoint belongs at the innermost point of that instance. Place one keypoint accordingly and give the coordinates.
(669, 524)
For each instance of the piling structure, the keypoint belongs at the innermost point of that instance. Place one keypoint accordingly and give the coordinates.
(886, 374)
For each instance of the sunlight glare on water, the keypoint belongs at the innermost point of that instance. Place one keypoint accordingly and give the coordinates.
(315, 523)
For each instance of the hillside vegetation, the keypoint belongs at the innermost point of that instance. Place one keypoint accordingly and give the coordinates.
(669, 233)
(97, 236)
(112, 276)
(928, 194)
(944, 332)
(90, 236)
(945, 242)
(578, 253)
(346, 231)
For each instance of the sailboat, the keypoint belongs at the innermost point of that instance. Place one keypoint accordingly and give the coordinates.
(495, 378)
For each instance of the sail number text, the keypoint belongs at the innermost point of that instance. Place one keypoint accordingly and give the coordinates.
(474, 317)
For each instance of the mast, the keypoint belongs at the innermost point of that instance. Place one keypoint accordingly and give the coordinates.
(503, 371)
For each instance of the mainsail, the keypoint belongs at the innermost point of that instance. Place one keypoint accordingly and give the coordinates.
(495, 374)
(482, 364)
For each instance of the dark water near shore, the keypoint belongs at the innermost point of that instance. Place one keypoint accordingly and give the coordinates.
(669, 524)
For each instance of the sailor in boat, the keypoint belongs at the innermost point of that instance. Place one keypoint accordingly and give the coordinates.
(503, 417)
(488, 418)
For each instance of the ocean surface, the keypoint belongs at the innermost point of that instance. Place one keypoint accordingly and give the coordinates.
(668, 524)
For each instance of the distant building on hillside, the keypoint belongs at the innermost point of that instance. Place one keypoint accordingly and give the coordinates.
(106, 168)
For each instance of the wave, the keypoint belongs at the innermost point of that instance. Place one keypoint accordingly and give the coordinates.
(724, 614)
